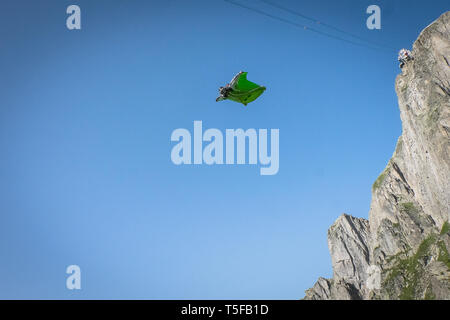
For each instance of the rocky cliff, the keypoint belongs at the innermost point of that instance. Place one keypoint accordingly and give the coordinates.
(402, 251)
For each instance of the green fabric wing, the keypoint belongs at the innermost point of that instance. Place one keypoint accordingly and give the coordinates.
(242, 84)
(246, 97)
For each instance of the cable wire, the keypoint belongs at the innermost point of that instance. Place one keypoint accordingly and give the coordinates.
(301, 26)
(275, 5)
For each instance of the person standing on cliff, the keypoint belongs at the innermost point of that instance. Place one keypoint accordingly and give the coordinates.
(404, 56)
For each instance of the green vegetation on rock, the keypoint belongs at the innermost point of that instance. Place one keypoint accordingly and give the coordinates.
(429, 295)
(445, 228)
(410, 270)
(409, 208)
(443, 254)
(379, 181)
(414, 269)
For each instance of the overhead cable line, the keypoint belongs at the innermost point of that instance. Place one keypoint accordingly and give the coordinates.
(301, 26)
(275, 5)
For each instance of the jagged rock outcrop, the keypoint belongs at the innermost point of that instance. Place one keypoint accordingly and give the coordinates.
(347, 242)
(406, 240)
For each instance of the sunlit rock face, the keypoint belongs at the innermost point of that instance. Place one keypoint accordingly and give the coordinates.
(407, 235)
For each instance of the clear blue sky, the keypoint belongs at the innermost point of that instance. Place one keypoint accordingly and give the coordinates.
(85, 124)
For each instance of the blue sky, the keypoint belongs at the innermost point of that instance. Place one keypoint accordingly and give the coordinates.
(85, 124)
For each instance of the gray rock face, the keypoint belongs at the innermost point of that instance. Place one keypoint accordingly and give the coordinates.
(347, 242)
(407, 237)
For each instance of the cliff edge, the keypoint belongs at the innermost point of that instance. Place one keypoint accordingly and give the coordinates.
(402, 251)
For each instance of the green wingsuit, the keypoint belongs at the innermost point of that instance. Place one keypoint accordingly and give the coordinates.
(241, 90)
